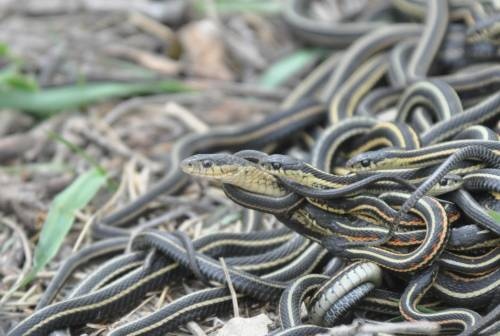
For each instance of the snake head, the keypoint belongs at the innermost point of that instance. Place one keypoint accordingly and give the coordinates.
(366, 161)
(449, 182)
(278, 164)
(213, 166)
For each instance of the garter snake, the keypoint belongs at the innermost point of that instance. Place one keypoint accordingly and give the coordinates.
(451, 318)
(339, 285)
(199, 302)
(311, 182)
(477, 132)
(387, 134)
(99, 249)
(437, 16)
(483, 179)
(466, 290)
(436, 95)
(289, 202)
(438, 117)
(424, 157)
(463, 263)
(434, 216)
(470, 152)
(128, 289)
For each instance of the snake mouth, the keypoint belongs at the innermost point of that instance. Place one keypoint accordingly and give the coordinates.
(189, 166)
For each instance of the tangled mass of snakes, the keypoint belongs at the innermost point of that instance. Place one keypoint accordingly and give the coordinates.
(382, 168)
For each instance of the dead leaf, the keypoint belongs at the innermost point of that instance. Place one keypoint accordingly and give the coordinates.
(158, 63)
(240, 326)
(205, 51)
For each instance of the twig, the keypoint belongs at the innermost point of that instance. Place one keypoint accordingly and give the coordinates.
(189, 223)
(179, 200)
(188, 118)
(240, 48)
(14, 146)
(27, 256)
(231, 288)
(104, 137)
(14, 122)
(233, 88)
(128, 106)
(148, 24)
(136, 309)
(40, 134)
(362, 328)
(162, 297)
(119, 192)
(166, 217)
(195, 329)
(161, 65)
(142, 179)
(134, 188)
(83, 233)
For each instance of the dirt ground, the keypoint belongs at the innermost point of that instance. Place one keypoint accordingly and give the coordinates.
(52, 44)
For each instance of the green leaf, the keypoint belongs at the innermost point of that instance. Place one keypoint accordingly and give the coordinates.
(22, 83)
(233, 6)
(285, 68)
(4, 49)
(12, 79)
(495, 215)
(6, 73)
(46, 102)
(61, 217)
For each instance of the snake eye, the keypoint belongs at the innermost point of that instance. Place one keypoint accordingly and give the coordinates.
(443, 182)
(206, 163)
(276, 165)
(365, 163)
